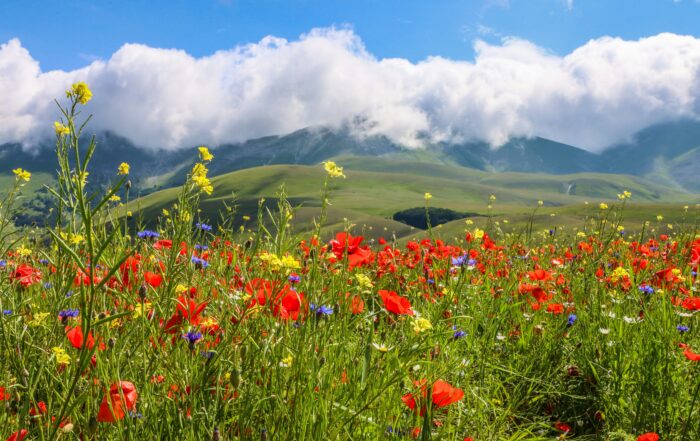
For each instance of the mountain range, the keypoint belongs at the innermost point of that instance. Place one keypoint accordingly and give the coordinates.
(666, 154)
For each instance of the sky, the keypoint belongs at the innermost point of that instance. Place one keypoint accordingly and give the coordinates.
(186, 72)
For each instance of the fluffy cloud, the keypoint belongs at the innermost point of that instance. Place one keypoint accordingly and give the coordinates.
(599, 94)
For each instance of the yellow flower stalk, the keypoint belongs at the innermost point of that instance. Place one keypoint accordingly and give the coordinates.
(80, 91)
(22, 175)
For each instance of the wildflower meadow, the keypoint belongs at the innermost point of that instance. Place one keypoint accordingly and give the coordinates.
(189, 328)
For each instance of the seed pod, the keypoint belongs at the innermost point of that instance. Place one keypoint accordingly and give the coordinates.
(235, 378)
(215, 436)
(142, 292)
(128, 184)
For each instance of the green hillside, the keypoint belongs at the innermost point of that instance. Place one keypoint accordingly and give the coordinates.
(376, 188)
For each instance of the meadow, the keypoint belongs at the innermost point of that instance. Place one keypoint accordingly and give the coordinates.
(193, 314)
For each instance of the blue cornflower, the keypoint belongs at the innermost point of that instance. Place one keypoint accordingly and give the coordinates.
(43, 261)
(202, 226)
(646, 289)
(458, 333)
(682, 328)
(431, 282)
(294, 278)
(67, 313)
(199, 263)
(471, 262)
(3, 264)
(69, 294)
(147, 234)
(47, 285)
(551, 232)
(201, 247)
(192, 337)
(6, 312)
(134, 414)
(321, 309)
(459, 260)
(571, 320)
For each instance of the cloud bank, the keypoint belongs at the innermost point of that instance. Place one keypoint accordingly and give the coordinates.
(599, 94)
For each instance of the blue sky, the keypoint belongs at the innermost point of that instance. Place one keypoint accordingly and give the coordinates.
(68, 34)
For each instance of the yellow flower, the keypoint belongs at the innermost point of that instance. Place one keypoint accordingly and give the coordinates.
(80, 91)
(421, 324)
(287, 361)
(61, 130)
(204, 154)
(246, 218)
(659, 218)
(364, 281)
(618, 274)
(139, 311)
(199, 177)
(23, 252)
(478, 234)
(492, 197)
(129, 214)
(603, 206)
(166, 213)
(22, 175)
(77, 239)
(540, 203)
(38, 318)
(428, 196)
(62, 357)
(115, 198)
(123, 169)
(333, 170)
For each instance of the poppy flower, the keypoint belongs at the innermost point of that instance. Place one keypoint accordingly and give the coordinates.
(18, 436)
(395, 303)
(26, 275)
(121, 398)
(690, 355)
(76, 337)
(153, 279)
(443, 394)
(649, 436)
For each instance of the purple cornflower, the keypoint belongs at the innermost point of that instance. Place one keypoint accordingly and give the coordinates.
(6, 312)
(68, 313)
(458, 333)
(147, 234)
(646, 289)
(192, 337)
(201, 247)
(199, 263)
(202, 226)
(459, 260)
(682, 328)
(321, 310)
(571, 320)
(294, 278)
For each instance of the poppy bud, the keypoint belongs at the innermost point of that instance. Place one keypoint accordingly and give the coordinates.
(235, 378)
(128, 184)
(111, 342)
(142, 292)
(215, 436)
(322, 361)
(263, 435)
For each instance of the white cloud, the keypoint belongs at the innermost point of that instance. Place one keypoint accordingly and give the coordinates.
(599, 94)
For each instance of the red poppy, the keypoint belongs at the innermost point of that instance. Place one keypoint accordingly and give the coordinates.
(395, 303)
(19, 435)
(690, 355)
(40, 409)
(153, 279)
(26, 275)
(443, 394)
(121, 398)
(650, 436)
(76, 337)
(357, 255)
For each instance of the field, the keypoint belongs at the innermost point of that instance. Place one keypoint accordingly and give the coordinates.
(315, 316)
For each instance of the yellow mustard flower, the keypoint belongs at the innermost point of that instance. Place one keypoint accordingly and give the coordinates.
(603, 206)
(62, 358)
(204, 154)
(80, 91)
(333, 169)
(427, 196)
(22, 175)
(60, 129)
(421, 324)
(123, 169)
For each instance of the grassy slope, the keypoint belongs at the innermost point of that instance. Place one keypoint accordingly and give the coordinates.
(376, 188)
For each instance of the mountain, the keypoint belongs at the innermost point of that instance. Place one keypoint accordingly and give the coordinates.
(667, 154)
